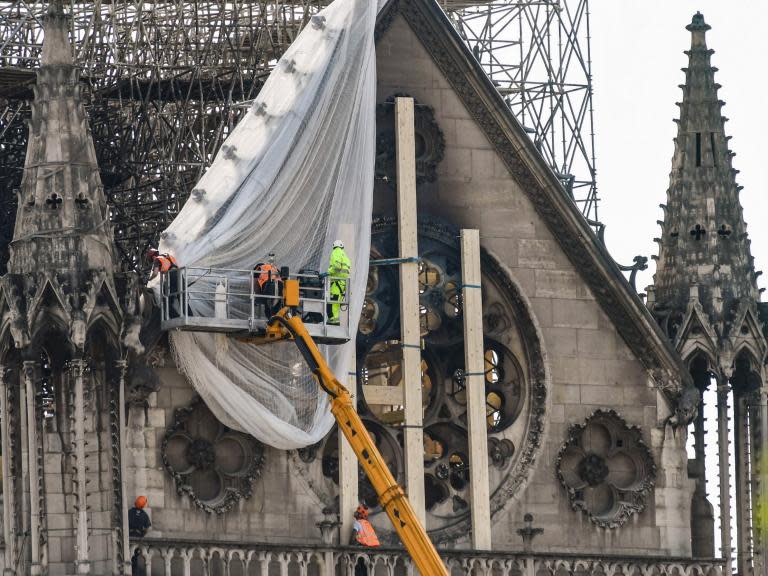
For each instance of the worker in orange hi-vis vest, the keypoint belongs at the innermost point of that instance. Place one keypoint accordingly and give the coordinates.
(363, 534)
(166, 263)
(267, 281)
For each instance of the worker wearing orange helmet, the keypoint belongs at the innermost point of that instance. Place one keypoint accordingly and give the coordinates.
(363, 534)
(167, 264)
(138, 519)
(138, 524)
(160, 262)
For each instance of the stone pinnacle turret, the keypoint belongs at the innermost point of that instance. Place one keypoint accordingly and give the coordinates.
(704, 239)
(62, 221)
(705, 296)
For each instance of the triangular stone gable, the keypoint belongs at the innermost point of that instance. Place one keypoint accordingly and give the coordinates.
(696, 333)
(539, 232)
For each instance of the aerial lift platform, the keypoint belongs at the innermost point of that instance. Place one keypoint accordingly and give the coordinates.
(286, 323)
(228, 301)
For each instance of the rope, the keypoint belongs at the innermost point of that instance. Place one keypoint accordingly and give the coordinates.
(394, 261)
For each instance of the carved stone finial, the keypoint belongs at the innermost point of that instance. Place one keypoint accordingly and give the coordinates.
(697, 24)
(528, 533)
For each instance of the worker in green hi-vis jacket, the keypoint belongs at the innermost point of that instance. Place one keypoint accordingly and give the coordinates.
(338, 272)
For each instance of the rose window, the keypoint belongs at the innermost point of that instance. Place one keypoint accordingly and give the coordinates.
(513, 373)
(607, 469)
(214, 465)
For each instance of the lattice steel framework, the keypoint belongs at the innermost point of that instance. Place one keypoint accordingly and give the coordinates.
(162, 80)
(537, 52)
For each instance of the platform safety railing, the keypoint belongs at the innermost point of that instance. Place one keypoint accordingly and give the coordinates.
(230, 300)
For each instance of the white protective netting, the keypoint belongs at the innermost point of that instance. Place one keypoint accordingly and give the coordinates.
(295, 174)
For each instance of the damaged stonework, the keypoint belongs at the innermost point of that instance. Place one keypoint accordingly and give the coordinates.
(71, 322)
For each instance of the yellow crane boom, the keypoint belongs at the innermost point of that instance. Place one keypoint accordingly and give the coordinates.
(286, 325)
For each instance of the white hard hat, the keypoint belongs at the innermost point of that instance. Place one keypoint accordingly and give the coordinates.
(338, 244)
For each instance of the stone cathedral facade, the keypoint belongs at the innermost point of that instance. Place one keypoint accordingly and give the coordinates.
(591, 393)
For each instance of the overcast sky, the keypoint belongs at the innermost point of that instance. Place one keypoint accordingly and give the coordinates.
(637, 53)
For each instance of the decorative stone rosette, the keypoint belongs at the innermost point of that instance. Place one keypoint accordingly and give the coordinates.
(606, 469)
(212, 464)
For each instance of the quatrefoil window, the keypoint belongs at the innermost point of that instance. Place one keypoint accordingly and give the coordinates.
(214, 465)
(607, 469)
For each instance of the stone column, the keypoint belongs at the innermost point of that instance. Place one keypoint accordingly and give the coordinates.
(9, 483)
(760, 500)
(77, 368)
(21, 407)
(725, 474)
(36, 538)
(123, 537)
(409, 304)
(741, 458)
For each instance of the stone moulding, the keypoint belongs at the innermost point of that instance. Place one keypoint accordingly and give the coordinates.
(212, 464)
(430, 148)
(606, 468)
(633, 322)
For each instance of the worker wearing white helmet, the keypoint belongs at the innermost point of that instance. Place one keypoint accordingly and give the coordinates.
(338, 272)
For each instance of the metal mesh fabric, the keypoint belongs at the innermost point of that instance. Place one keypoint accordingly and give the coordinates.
(295, 174)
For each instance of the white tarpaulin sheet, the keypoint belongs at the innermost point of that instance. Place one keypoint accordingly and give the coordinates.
(295, 174)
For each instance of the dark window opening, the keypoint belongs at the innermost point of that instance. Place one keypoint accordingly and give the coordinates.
(698, 232)
(712, 145)
(698, 149)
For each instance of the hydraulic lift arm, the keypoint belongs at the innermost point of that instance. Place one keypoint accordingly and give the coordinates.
(287, 325)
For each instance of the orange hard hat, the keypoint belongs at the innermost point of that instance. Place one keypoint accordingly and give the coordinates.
(362, 511)
(141, 501)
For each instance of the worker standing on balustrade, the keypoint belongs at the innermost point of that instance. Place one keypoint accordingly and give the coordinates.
(338, 272)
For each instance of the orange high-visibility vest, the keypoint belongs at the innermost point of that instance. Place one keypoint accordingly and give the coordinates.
(263, 272)
(165, 262)
(366, 535)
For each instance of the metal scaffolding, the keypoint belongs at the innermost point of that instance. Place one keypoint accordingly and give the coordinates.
(162, 80)
(537, 52)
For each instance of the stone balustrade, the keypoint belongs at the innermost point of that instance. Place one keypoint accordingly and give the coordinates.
(193, 558)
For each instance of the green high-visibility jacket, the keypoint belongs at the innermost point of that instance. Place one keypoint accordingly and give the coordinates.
(340, 264)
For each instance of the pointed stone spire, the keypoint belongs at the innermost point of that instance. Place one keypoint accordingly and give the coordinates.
(704, 241)
(62, 220)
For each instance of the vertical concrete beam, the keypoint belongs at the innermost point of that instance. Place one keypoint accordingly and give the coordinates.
(348, 471)
(35, 482)
(725, 474)
(409, 303)
(83, 566)
(9, 488)
(474, 382)
(122, 366)
(348, 474)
